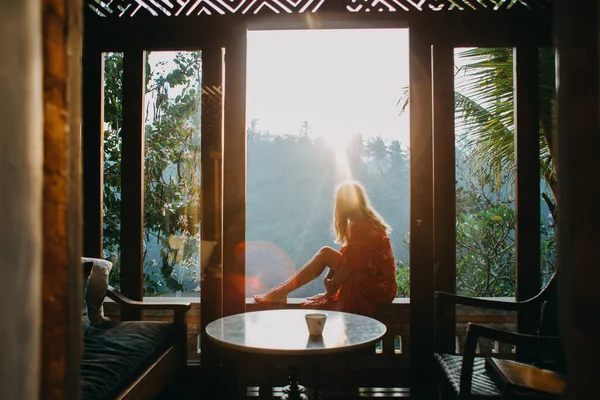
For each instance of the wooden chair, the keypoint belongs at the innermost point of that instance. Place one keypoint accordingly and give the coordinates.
(465, 376)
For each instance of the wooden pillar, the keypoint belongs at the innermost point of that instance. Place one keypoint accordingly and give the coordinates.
(444, 189)
(132, 177)
(421, 206)
(527, 162)
(578, 138)
(212, 140)
(61, 274)
(234, 175)
(74, 217)
(21, 170)
(92, 149)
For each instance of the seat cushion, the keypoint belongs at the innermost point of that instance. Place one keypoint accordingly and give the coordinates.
(482, 384)
(115, 353)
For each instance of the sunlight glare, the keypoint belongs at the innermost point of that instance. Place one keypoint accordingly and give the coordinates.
(338, 142)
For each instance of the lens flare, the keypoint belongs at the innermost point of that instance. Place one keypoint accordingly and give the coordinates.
(267, 265)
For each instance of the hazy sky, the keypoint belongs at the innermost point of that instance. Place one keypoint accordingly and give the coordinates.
(341, 81)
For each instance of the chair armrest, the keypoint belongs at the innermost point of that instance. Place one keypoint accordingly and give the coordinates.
(474, 332)
(119, 298)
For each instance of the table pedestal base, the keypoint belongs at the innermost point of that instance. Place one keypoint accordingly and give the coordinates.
(293, 391)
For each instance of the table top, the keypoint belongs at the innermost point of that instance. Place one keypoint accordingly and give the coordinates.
(284, 332)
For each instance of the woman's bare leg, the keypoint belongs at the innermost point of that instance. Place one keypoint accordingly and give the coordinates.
(325, 257)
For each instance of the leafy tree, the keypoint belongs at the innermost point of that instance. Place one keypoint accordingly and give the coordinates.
(113, 111)
(171, 170)
(485, 252)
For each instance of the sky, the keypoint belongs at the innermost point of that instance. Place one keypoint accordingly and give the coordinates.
(342, 82)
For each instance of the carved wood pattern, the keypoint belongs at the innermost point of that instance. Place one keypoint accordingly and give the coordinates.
(181, 8)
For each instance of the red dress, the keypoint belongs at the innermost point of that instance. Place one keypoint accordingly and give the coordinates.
(369, 255)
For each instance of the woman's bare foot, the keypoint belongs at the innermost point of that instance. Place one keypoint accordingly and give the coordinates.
(320, 296)
(271, 297)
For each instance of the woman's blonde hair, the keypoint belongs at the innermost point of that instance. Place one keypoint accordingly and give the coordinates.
(352, 203)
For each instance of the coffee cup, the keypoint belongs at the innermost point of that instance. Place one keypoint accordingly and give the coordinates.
(315, 323)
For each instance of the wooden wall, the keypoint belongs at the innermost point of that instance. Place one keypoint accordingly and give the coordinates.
(20, 198)
(578, 192)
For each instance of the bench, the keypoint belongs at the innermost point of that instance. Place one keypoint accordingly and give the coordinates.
(133, 359)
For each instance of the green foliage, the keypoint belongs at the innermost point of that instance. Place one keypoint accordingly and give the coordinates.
(171, 171)
(485, 126)
(485, 256)
(403, 278)
(113, 111)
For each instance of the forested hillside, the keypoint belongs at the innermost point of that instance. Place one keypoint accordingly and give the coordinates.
(290, 185)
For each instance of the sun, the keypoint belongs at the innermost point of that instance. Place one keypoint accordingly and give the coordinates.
(338, 142)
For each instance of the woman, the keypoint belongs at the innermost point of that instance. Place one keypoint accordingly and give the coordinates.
(361, 274)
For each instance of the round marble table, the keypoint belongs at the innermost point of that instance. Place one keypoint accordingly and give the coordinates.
(284, 332)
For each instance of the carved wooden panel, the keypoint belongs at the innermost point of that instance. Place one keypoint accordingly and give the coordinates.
(177, 8)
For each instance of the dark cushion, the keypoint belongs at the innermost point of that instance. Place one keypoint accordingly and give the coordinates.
(114, 354)
(482, 384)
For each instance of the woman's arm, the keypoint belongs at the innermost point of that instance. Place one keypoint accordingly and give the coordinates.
(340, 277)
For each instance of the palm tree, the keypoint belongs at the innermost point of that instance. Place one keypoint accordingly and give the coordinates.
(484, 107)
(377, 151)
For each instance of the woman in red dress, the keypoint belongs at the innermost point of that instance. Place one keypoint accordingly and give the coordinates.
(361, 274)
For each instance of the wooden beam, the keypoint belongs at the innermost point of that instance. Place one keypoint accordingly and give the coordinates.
(527, 182)
(132, 176)
(92, 150)
(490, 29)
(444, 190)
(421, 206)
(234, 175)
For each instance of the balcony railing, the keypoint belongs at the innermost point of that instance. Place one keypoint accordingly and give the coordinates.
(392, 353)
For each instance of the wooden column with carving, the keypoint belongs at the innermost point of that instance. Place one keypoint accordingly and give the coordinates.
(61, 213)
(234, 174)
(212, 137)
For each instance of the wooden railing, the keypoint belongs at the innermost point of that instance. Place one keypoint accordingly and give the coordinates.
(392, 353)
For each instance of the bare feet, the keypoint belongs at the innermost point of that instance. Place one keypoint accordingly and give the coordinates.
(271, 297)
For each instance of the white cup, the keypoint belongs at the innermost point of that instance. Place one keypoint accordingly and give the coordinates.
(315, 323)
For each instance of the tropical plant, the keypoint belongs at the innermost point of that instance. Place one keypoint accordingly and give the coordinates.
(484, 106)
